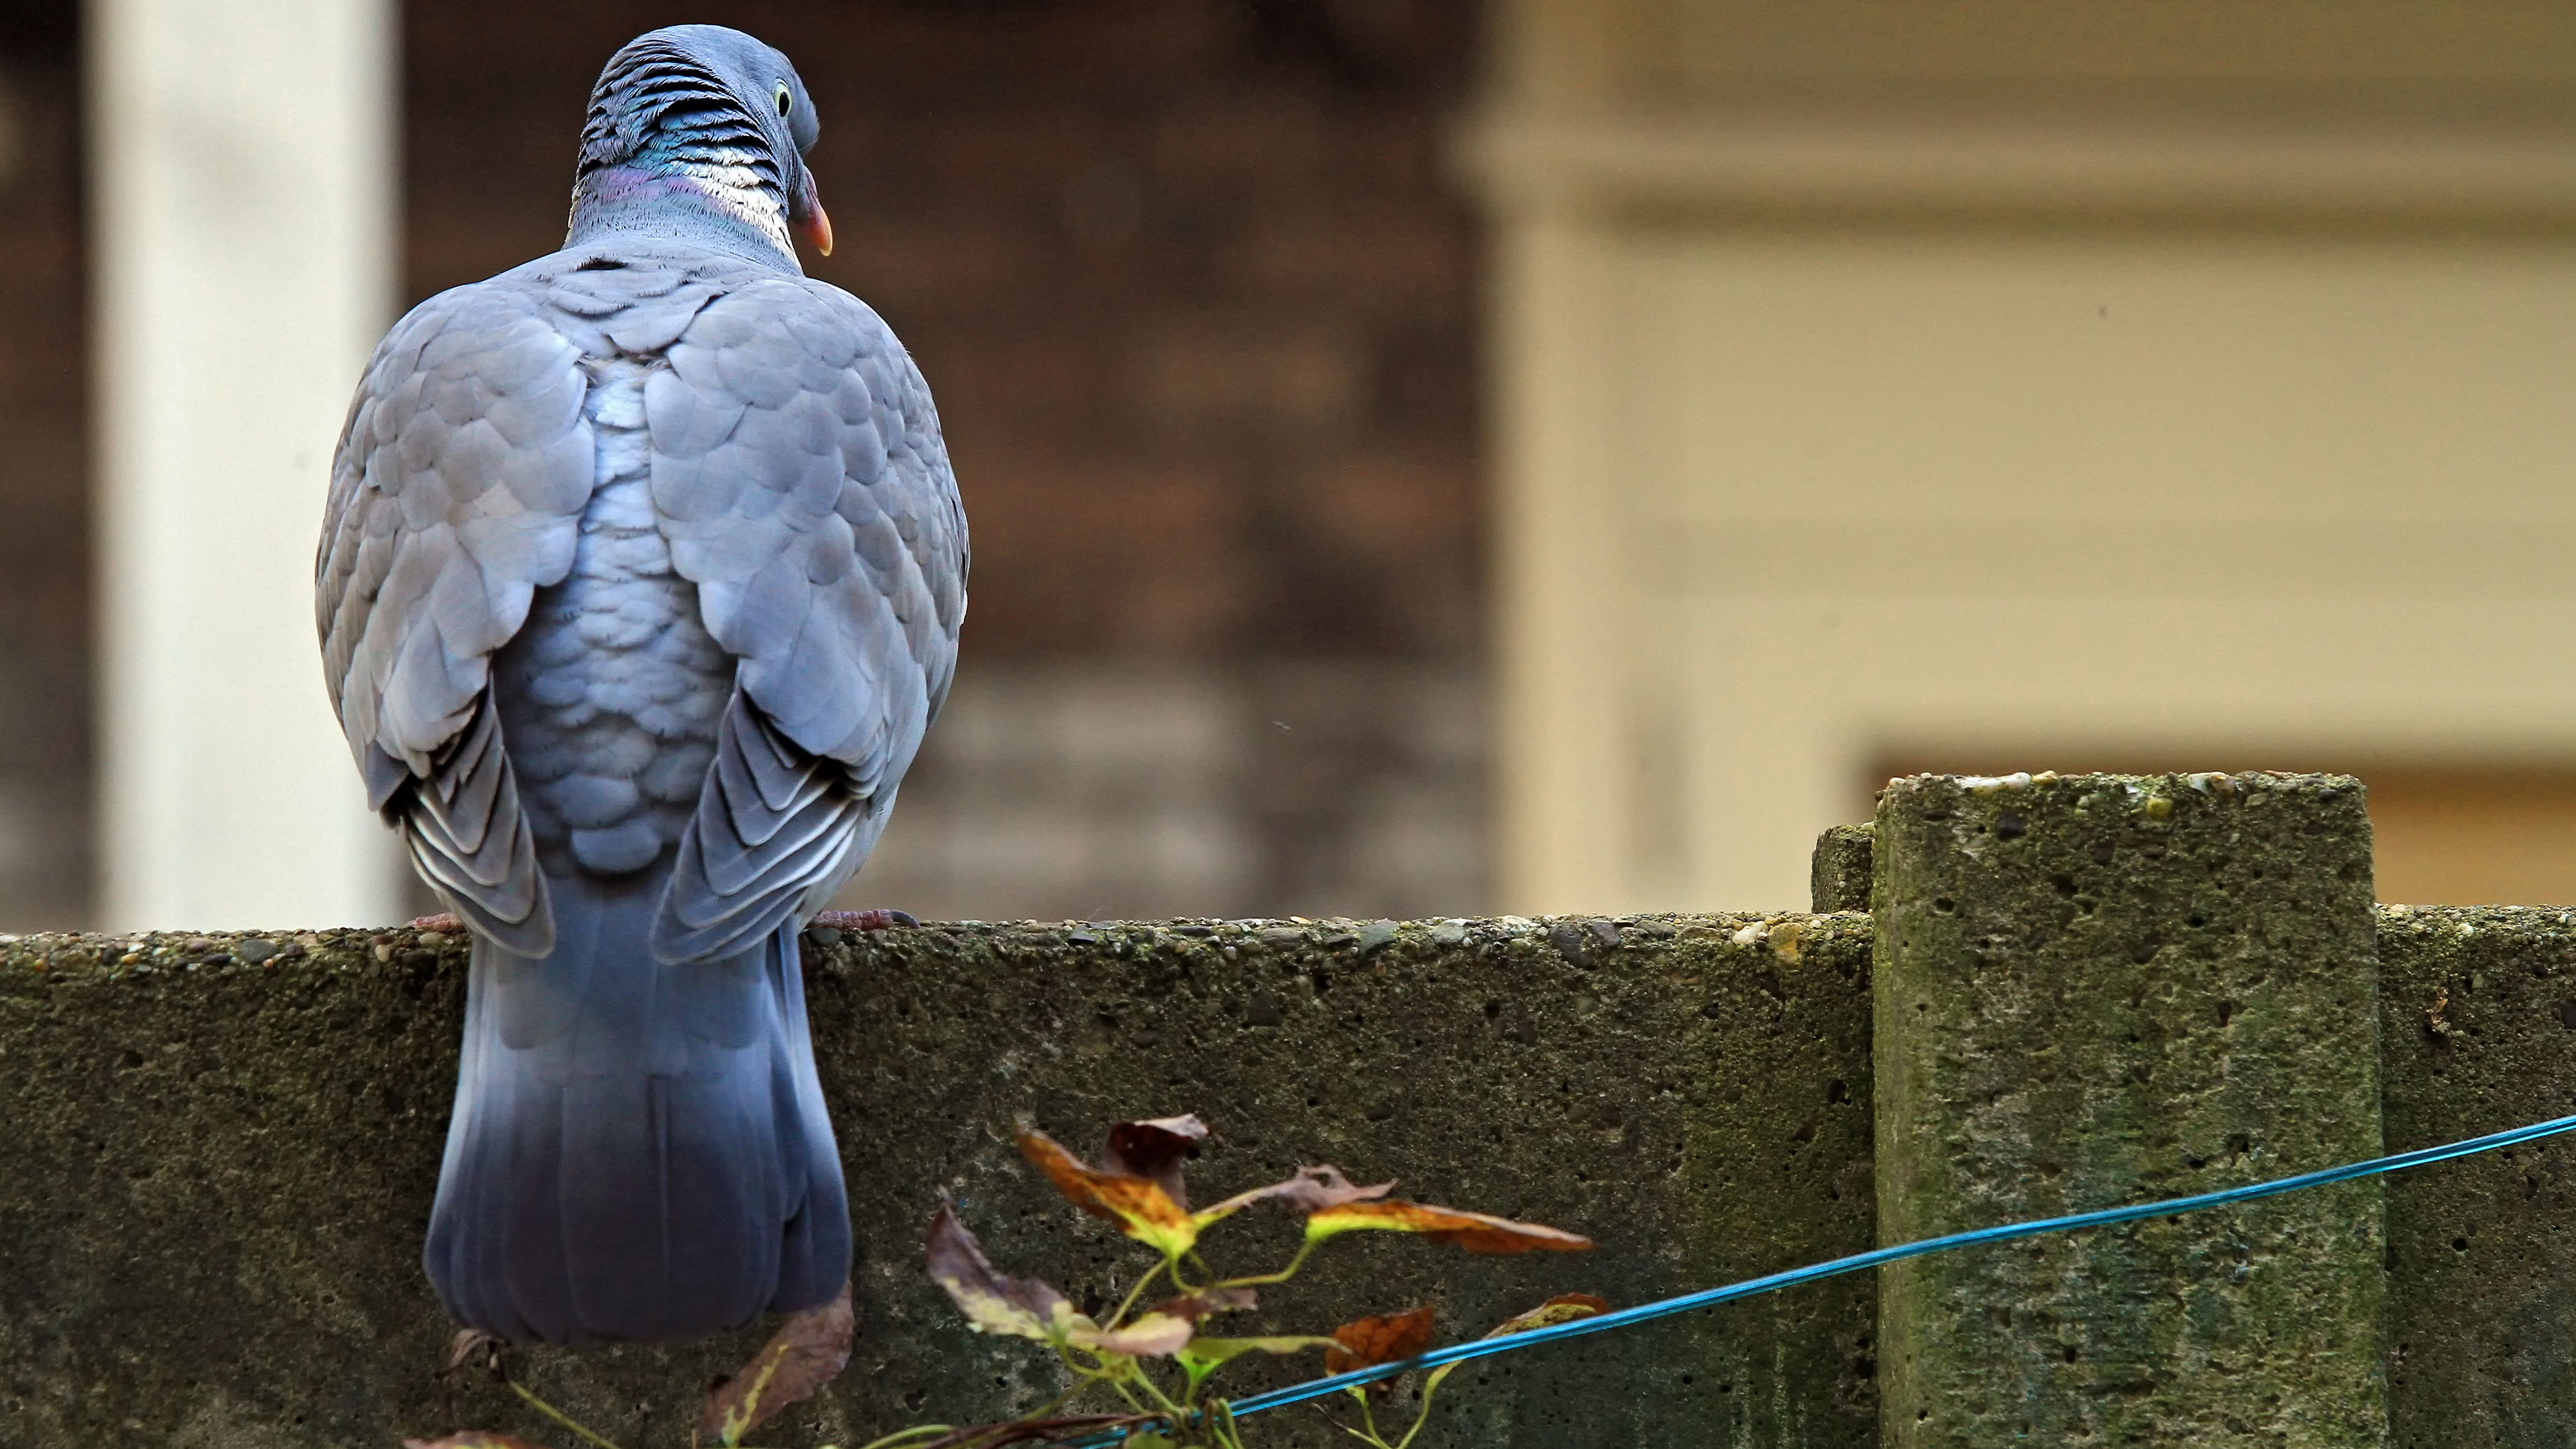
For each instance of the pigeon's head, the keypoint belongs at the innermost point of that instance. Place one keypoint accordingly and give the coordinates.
(708, 114)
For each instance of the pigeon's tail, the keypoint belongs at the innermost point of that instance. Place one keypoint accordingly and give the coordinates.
(639, 1149)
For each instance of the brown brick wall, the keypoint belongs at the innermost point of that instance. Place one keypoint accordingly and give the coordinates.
(1197, 295)
(1190, 282)
(1198, 299)
(44, 504)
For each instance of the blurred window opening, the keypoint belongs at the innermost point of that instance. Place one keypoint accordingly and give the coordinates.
(2443, 835)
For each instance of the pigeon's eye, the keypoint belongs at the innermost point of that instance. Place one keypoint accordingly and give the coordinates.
(786, 102)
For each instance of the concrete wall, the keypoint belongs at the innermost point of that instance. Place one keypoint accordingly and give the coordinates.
(220, 1150)
(216, 1173)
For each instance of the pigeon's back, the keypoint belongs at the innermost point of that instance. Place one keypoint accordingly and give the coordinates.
(640, 583)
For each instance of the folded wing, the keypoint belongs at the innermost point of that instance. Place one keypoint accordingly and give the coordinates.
(804, 488)
(455, 494)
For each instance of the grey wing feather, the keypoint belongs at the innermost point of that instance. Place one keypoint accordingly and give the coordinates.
(456, 493)
(805, 489)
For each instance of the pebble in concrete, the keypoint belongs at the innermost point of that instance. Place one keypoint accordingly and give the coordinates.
(2096, 990)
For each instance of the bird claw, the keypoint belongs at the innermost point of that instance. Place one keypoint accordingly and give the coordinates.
(461, 1353)
(876, 920)
(443, 921)
(470, 1342)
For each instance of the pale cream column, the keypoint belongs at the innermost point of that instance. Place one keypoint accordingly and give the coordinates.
(243, 223)
(1563, 722)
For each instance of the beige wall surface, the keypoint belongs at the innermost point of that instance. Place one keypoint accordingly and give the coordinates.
(2033, 431)
(2276, 44)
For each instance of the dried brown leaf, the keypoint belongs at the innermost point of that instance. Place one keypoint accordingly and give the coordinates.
(1384, 1338)
(1311, 1190)
(808, 1351)
(1154, 1150)
(991, 1302)
(1475, 1232)
(1195, 1306)
(1141, 1209)
(1014, 1431)
(474, 1439)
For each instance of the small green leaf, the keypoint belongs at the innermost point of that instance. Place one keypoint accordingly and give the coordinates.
(1563, 1308)
(1214, 1351)
(1204, 1356)
(1156, 1335)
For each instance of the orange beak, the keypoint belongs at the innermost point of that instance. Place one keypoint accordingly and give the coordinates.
(817, 224)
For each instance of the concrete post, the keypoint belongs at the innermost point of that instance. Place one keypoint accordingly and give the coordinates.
(243, 205)
(1839, 872)
(2477, 1017)
(2105, 989)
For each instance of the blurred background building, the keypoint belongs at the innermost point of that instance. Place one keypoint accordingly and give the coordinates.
(1425, 456)
(2015, 384)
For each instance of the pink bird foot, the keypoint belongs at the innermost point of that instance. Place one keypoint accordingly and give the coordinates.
(864, 920)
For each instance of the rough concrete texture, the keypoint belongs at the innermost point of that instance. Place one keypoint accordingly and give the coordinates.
(1840, 872)
(2099, 989)
(2478, 1033)
(218, 1164)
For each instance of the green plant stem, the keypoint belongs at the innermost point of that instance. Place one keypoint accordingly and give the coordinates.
(558, 1415)
(1145, 1381)
(1042, 1411)
(1045, 1410)
(1220, 1423)
(1368, 1416)
(1356, 1434)
(1422, 1415)
(1119, 1386)
(1136, 1292)
(922, 1431)
(1282, 1276)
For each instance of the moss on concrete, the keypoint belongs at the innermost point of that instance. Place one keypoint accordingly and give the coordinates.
(2099, 989)
(217, 1169)
(2478, 1033)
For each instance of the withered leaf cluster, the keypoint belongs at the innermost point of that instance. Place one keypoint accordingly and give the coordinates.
(1138, 1186)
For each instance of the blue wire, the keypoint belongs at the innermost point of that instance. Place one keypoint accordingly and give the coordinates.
(1710, 1297)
